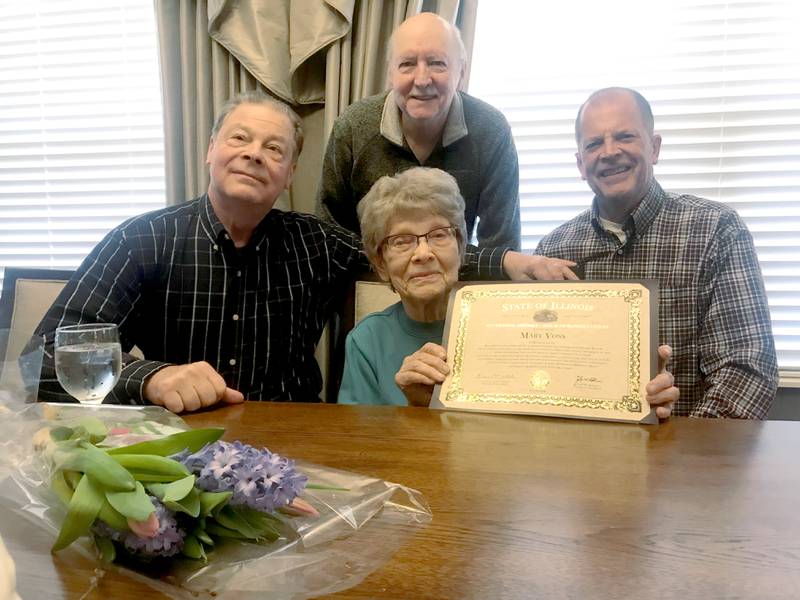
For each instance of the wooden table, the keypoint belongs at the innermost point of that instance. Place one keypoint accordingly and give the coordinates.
(528, 507)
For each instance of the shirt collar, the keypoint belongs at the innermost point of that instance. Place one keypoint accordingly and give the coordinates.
(455, 127)
(642, 217)
(215, 230)
(211, 223)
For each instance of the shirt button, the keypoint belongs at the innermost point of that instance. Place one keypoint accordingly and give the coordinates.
(232, 362)
(238, 273)
(620, 252)
(235, 317)
(225, 235)
(216, 247)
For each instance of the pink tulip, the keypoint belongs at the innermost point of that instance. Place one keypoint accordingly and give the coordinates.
(300, 508)
(145, 529)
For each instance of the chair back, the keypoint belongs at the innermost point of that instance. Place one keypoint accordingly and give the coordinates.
(371, 297)
(26, 297)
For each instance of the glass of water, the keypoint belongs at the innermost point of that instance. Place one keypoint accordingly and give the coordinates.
(88, 360)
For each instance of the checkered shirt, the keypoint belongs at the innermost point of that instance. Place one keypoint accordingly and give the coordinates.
(713, 308)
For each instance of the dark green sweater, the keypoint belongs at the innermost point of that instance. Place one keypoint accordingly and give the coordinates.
(484, 163)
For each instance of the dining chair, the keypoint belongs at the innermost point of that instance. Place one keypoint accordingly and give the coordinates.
(26, 296)
(367, 295)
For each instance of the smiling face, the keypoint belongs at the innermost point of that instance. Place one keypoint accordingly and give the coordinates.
(251, 159)
(616, 153)
(425, 69)
(422, 277)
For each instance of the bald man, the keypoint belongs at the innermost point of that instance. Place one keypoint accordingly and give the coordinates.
(423, 120)
(713, 308)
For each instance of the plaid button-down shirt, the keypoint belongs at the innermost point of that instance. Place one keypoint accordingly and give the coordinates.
(713, 308)
(182, 292)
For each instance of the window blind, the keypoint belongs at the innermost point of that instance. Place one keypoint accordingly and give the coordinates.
(81, 136)
(723, 78)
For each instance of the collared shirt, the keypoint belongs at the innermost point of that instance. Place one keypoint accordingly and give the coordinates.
(182, 292)
(455, 127)
(713, 308)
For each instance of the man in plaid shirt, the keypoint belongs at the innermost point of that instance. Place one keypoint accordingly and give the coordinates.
(713, 308)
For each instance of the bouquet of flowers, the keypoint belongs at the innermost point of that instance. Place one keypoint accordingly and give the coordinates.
(176, 494)
(191, 515)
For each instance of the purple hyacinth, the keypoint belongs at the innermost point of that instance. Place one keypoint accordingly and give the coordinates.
(258, 478)
(168, 541)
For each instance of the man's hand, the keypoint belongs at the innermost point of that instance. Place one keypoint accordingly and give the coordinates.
(420, 372)
(661, 390)
(527, 267)
(189, 387)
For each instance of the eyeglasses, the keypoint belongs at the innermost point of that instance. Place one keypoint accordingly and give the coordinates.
(403, 243)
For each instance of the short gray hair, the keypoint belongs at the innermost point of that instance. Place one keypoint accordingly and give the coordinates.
(417, 190)
(259, 97)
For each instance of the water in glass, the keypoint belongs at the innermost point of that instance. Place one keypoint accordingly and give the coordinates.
(88, 360)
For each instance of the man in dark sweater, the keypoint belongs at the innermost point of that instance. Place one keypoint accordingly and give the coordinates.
(425, 121)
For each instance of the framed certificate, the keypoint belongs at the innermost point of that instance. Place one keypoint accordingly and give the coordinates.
(581, 349)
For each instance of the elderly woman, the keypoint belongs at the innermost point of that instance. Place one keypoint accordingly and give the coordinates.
(414, 236)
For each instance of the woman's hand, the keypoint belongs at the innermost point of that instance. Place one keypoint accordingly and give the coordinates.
(420, 372)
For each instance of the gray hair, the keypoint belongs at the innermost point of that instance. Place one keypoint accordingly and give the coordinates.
(641, 103)
(259, 97)
(414, 192)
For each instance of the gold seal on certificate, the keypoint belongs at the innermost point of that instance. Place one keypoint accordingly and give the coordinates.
(582, 349)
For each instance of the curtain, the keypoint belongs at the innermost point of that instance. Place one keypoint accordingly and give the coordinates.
(197, 76)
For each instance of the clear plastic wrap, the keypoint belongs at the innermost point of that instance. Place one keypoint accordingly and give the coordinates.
(356, 531)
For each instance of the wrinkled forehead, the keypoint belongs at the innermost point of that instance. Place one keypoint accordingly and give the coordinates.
(261, 117)
(423, 37)
(610, 112)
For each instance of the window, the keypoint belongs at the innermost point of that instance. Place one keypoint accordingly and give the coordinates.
(81, 136)
(723, 78)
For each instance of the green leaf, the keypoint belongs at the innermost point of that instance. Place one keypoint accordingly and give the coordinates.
(83, 508)
(329, 488)
(151, 463)
(72, 478)
(134, 505)
(193, 548)
(105, 548)
(220, 531)
(178, 490)
(211, 501)
(98, 465)
(191, 440)
(61, 433)
(172, 492)
(61, 488)
(201, 535)
(190, 504)
(249, 522)
(95, 429)
(148, 477)
(112, 517)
